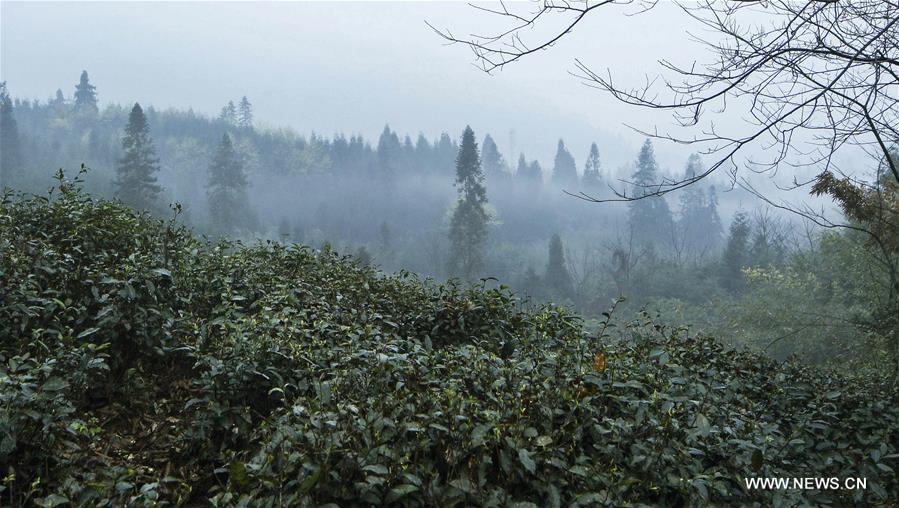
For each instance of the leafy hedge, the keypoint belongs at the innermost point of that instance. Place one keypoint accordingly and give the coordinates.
(141, 365)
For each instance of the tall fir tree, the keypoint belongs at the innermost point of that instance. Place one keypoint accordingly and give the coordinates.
(529, 173)
(557, 277)
(10, 149)
(698, 224)
(735, 253)
(245, 113)
(445, 151)
(389, 154)
(650, 218)
(229, 114)
(468, 226)
(491, 159)
(714, 229)
(136, 170)
(86, 96)
(229, 208)
(592, 176)
(564, 168)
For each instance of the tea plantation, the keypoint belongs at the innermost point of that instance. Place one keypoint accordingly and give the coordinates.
(142, 366)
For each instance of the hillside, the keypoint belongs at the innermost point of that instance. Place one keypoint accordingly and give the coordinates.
(140, 364)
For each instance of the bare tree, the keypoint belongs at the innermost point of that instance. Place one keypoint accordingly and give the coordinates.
(814, 77)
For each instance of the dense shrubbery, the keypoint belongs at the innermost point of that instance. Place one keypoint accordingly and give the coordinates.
(139, 365)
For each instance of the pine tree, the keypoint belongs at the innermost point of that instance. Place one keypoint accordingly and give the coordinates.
(650, 218)
(522, 169)
(136, 170)
(557, 277)
(385, 242)
(491, 158)
(363, 256)
(735, 254)
(10, 149)
(529, 173)
(713, 228)
(468, 226)
(592, 176)
(445, 154)
(564, 168)
(245, 113)
(86, 96)
(698, 222)
(229, 114)
(228, 202)
(389, 152)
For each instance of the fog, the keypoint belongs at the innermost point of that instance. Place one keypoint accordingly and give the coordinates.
(312, 254)
(347, 67)
(357, 115)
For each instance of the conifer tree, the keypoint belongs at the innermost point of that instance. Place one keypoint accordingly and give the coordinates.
(592, 178)
(228, 202)
(245, 113)
(385, 242)
(445, 151)
(363, 256)
(10, 150)
(564, 168)
(529, 173)
(557, 277)
(423, 150)
(698, 222)
(86, 96)
(735, 254)
(389, 152)
(229, 114)
(468, 226)
(491, 158)
(522, 169)
(714, 229)
(650, 218)
(136, 170)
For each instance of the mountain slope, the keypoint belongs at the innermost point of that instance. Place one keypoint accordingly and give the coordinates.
(139, 364)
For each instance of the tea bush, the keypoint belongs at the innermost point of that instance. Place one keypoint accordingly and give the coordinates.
(140, 365)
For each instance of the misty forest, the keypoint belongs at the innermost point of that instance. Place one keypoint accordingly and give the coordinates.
(204, 308)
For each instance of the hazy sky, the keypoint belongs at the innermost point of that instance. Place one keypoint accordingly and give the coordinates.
(343, 67)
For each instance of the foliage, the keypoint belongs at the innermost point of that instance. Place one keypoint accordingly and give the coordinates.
(140, 366)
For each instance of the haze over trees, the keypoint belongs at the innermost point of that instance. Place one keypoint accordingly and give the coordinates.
(338, 320)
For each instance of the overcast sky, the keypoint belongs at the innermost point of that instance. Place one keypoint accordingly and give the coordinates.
(342, 67)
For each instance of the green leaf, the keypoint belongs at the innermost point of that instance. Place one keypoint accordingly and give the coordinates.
(237, 473)
(400, 491)
(85, 333)
(162, 271)
(55, 500)
(376, 469)
(757, 460)
(54, 384)
(310, 481)
(526, 460)
(701, 424)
